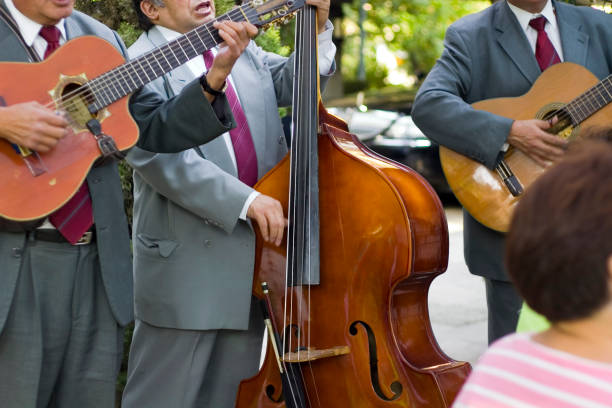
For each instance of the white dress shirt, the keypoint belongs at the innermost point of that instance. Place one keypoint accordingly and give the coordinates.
(551, 28)
(327, 51)
(30, 30)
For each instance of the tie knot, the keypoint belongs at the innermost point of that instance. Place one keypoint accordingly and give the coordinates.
(208, 58)
(50, 33)
(538, 23)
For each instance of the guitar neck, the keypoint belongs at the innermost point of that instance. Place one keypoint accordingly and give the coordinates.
(591, 101)
(125, 79)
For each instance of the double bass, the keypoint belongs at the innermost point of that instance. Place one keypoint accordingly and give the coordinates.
(345, 296)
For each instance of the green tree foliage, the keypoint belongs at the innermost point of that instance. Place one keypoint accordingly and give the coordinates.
(412, 29)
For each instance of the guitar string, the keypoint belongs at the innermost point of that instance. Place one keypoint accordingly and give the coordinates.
(588, 97)
(573, 110)
(597, 89)
(101, 82)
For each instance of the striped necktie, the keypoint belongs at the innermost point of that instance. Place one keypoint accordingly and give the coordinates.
(75, 217)
(546, 55)
(242, 141)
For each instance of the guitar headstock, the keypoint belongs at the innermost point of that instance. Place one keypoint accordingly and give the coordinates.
(263, 13)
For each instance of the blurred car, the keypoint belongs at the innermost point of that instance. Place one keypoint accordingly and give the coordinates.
(395, 136)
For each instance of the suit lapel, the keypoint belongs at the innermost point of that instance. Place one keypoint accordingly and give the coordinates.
(513, 41)
(574, 42)
(73, 30)
(248, 83)
(215, 150)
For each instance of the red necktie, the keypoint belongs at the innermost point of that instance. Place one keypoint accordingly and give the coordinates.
(242, 141)
(546, 55)
(75, 217)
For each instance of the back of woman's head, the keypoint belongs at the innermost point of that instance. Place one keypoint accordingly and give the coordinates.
(560, 237)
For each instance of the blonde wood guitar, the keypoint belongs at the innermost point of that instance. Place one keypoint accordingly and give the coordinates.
(88, 81)
(568, 91)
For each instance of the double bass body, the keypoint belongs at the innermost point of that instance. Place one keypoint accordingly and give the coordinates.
(383, 238)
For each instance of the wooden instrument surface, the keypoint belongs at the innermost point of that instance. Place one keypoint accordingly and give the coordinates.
(479, 189)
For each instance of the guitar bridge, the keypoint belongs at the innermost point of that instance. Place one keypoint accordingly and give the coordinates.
(511, 182)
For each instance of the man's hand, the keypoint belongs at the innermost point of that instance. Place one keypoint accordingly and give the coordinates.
(531, 138)
(268, 214)
(236, 37)
(322, 12)
(32, 125)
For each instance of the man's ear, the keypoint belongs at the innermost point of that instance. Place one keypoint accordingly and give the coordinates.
(150, 10)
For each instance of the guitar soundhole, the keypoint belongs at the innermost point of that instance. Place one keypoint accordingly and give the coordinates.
(564, 127)
(73, 98)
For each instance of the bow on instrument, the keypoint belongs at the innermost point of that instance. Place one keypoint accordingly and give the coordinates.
(88, 80)
(345, 298)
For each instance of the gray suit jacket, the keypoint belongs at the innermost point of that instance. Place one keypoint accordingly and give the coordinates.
(487, 55)
(154, 118)
(193, 256)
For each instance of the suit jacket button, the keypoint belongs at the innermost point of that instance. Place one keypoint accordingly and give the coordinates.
(207, 243)
(17, 252)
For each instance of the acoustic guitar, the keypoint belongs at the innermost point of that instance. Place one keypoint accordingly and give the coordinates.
(566, 90)
(89, 81)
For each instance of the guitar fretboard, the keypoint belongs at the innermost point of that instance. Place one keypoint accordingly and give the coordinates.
(591, 101)
(125, 79)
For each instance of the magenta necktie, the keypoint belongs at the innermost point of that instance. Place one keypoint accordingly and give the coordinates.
(75, 217)
(242, 141)
(546, 55)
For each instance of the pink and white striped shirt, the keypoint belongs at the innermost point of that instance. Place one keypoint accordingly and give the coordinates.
(518, 372)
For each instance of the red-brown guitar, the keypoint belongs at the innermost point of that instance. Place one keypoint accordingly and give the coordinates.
(87, 78)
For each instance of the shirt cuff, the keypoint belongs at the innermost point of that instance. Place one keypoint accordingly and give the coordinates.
(247, 204)
(327, 49)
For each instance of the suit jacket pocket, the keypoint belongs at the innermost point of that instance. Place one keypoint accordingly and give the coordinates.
(164, 247)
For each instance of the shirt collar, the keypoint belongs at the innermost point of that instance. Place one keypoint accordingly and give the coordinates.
(168, 33)
(524, 17)
(29, 29)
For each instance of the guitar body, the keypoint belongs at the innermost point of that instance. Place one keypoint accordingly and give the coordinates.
(26, 196)
(479, 189)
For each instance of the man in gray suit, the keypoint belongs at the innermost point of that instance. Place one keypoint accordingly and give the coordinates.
(493, 54)
(63, 306)
(197, 333)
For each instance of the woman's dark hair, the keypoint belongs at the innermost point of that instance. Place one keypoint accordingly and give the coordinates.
(560, 237)
(143, 21)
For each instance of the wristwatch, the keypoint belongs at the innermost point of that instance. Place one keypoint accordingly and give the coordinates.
(211, 91)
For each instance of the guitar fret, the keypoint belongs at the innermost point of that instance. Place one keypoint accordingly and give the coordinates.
(150, 66)
(195, 52)
(183, 50)
(130, 76)
(120, 80)
(591, 101)
(609, 81)
(143, 71)
(200, 38)
(131, 71)
(173, 54)
(163, 54)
